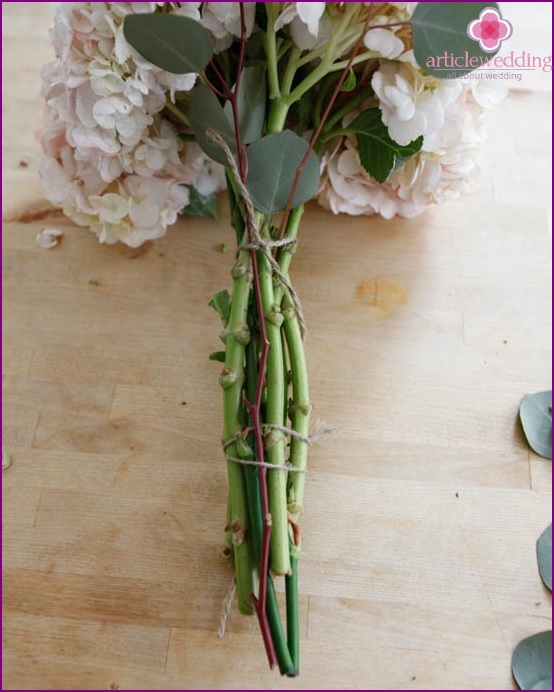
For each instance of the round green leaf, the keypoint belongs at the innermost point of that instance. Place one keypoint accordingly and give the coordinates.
(532, 662)
(206, 113)
(544, 556)
(535, 414)
(439, 29)
(251, 100)
(174, 43)
(379, 154)
(272, 165)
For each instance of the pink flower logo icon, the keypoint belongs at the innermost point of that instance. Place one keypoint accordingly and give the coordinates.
(490, 30)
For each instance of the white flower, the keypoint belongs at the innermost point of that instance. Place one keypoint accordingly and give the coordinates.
(410, 105)
(104, 132)
(223, 20)
(489, 93)
(446, 166)
(310, 13)
(306, 27)
(347, 188)
(384, 43)
(408, 6)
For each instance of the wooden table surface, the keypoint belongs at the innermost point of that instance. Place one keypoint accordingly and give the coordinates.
(423, 507)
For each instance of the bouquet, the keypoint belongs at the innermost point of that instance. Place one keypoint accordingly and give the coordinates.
(153, 107)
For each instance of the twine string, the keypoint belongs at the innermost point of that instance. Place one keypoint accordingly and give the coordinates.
(226, 610)
(257, 242)
(317, 431)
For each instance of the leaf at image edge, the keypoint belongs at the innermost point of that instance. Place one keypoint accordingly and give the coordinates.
(532, 662)
(440, 28)
(535, 414)
(544, 556)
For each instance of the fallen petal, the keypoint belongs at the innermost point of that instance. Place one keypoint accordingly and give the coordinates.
(49, 238)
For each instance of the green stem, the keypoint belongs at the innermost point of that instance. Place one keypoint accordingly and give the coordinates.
(290, 70)
(311, 80)
(323, 92)
(231, 380)
(270, 48)
(255, 507)
(275, 439)
(277, 116)
(228, 534)
(299, 410)
(363, 57)
(252, 472)
(351, 103)
(286, 665)
(172, 108)
(293, 628)
(300, 421)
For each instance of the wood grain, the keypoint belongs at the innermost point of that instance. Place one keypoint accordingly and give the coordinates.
(423, 507)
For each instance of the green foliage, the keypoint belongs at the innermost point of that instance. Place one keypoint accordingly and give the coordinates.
(251, 100)
(301, 113)
(176, 44)
(221, 303)
(535, 414)
(205, 114)
(201, 205)
(350, 82)
(441, 27)
(532, 662)
(379, 154)
(544, 556)
(272, 165)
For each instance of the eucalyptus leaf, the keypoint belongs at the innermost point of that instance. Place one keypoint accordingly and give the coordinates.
(379, 154)
(251, 101)
(440, 28)
(201, 205)
(221, 303)
(535, 414)
(174, 43)
(272, 165)
(544, 556)
(532, 662)
(206, 113)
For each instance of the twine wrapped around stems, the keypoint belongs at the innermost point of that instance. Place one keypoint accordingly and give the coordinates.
(258, 242)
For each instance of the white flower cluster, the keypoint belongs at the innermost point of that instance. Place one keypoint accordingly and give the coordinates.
(111, 161)
(114, 162)
(449, 116)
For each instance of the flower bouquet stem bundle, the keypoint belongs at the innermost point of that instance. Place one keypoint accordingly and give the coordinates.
(153, 107)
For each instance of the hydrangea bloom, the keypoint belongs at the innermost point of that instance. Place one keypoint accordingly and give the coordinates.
(111, 161)
(447, 165)
(115, 163)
